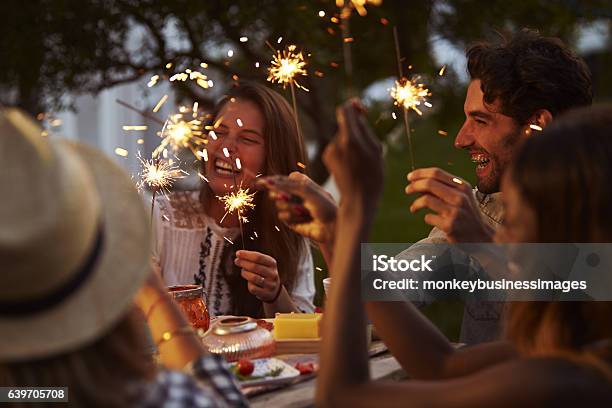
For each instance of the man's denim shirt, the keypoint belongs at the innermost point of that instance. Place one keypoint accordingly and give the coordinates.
(481, 320)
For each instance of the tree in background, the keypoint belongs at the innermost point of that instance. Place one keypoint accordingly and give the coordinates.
(52, 48)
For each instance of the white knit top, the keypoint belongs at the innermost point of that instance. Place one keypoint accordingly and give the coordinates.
(189, 245)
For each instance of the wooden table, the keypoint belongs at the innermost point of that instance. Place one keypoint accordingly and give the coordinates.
(384, 366)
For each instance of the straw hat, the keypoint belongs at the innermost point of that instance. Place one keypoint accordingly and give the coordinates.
(74, 242)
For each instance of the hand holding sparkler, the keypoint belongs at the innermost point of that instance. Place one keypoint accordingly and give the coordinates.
(261, 273)
(455, 210)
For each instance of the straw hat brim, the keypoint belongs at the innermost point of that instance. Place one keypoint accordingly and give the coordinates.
(108, 292)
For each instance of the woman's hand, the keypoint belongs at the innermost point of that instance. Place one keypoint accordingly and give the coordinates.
(354, 157)
(261, 274)
(303, 205)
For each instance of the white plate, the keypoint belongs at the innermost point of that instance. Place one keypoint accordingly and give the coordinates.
(265, 365)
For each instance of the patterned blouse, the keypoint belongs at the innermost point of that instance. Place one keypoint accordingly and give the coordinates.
(190, 247)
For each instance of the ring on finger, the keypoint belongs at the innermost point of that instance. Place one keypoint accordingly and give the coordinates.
(262, 280)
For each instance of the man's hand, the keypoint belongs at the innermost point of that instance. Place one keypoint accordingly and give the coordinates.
(452, 201)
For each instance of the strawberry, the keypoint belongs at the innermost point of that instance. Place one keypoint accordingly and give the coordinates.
(245, 367)
(305, 368)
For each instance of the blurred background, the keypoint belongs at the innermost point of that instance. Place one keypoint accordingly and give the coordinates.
(76, 64)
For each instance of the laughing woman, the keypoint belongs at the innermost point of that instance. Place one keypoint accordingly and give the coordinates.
(197, 243)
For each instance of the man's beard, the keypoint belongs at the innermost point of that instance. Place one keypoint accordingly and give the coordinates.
(491, 182)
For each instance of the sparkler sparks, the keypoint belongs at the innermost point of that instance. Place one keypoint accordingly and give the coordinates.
(153, 81)
(182, 131)
(160, 103)
(158, 175)
(238, 202)
(135, 127)
(409, 94)
(358, 5)
(193, 75)
(286, 66)
(121, 152)
(203, 154)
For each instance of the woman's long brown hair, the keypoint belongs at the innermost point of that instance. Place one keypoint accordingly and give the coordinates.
(564, 175)
(284, 149)
(104, 373)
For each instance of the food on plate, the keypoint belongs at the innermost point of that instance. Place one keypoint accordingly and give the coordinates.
(245, 367)
(305, 368)
(244, 370)
(269, 326)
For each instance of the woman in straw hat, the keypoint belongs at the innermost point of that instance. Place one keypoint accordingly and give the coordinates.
(75, 257)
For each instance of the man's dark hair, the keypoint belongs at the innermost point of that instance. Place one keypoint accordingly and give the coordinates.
(528, 73)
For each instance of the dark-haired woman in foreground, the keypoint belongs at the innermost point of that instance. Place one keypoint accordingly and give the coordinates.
(556, 353)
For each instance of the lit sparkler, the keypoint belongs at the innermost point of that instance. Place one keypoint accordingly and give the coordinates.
(182, 130)
(358, 5)
(238, 202)
(159, 176)
(345, 14)
(410, 94)
(285, 67)
(193, 75)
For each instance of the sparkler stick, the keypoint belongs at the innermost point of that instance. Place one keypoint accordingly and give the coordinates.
(181, 133)
(404, 109)
(284, 68)
(346, 7)
(235, 186)
(159, 176)
(238, 201)
(345, 15)
(407, 94)
(296, 117)
(142, 113)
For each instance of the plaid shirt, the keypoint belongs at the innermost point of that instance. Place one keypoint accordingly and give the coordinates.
(206, 382)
